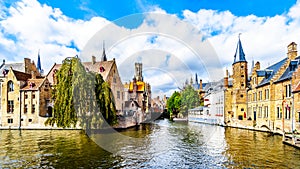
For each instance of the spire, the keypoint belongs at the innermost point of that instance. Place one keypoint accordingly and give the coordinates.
(196, 78)
(239, 53)
(39, 67)
(103, 58)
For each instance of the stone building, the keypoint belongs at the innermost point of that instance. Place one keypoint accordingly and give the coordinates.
(268, 97)
(139, 91)
(24, 96)
(236, 94)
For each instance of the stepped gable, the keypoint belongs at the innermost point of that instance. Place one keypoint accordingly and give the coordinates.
(102, 67)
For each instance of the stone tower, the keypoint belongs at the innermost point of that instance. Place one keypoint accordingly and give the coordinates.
(138, 72)
(239, 86)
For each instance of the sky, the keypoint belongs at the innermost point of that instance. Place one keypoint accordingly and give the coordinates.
(173, 39)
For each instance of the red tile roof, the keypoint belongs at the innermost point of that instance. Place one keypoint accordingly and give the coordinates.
(33, 84)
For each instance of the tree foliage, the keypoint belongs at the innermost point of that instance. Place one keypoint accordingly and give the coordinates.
(190, 99)
(174, 103)
(81, 96)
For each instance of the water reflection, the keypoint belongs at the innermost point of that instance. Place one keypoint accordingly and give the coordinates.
(159, 145)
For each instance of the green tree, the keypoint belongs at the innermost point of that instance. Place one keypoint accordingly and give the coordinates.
(189, 99)
(174, 103)
(81, 95)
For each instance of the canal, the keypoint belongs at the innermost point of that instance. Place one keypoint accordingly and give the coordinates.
(161, 144)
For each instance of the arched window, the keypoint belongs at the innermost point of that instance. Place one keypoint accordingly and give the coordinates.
(10, 86)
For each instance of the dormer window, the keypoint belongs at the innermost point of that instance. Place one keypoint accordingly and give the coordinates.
(10, 86)
(102, 69)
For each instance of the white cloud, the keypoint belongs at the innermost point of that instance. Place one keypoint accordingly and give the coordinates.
(28, 26)
(36, 26)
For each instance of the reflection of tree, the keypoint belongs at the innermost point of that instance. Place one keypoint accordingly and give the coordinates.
(81, 96)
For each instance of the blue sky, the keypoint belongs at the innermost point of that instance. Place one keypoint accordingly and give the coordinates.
(114, 9)
(62, 29)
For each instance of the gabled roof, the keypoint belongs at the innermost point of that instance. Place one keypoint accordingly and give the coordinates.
(128, 103)
(89, 66)
(33, 84)
(273, 70)
(239, 53)
(21, 76)
(15, 66)
(288, 71)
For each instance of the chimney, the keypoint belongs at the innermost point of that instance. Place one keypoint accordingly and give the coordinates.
(33, 76)
(27, 63)
(226, 79)
(201, 87)
(93, 59)
(292, 51)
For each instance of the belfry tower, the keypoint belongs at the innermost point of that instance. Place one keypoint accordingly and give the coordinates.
(239, 86)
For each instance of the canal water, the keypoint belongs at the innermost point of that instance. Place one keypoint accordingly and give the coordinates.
(162, 144)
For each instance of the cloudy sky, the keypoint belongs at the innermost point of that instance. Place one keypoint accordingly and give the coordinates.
(174, 40)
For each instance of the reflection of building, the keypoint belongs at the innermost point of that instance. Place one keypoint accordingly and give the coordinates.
(138, 91)
(109, 71)
(24, 95)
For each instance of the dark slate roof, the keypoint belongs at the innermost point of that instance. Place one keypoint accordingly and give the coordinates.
(239, 53)
(15, 66)
(129, 102)
(200, 108)
(272, 70)
(289, 70)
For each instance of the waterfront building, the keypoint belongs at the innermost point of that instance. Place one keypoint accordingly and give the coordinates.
(24, 95)
(108, 70)
(296, 97)
(139, 91)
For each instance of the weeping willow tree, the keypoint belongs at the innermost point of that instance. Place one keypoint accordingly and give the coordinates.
(81, 96)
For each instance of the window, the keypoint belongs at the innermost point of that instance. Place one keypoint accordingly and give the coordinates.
(254, 97)
(33, 109)
(266, 115)
(10, 86)
(115, 80)
(25, 109)
(242, 76)
(242, 85)
(26, 95)
(242, 96)
(287, 112)
(279, 114)
(10, 121)
(288, 90)
(259, 112)
(118, 94)
(10, 106)
(242, 109)
(249, 98)
(29, 120)
(260, 95)
(254, 80)
(33, 95)
(267, 94)
(242, 67)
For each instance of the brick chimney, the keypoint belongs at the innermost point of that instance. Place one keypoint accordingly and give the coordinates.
(226, 79)
(93, 59)
(292, 51)
(201, 87)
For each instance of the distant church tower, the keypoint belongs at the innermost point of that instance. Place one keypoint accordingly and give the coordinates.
(103, 58)
(39, 65)
(138, 71)
(240, 77)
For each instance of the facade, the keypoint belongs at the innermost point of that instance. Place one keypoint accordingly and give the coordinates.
(109, 71)
(268, 97)
(24, 98)
(139, 91)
